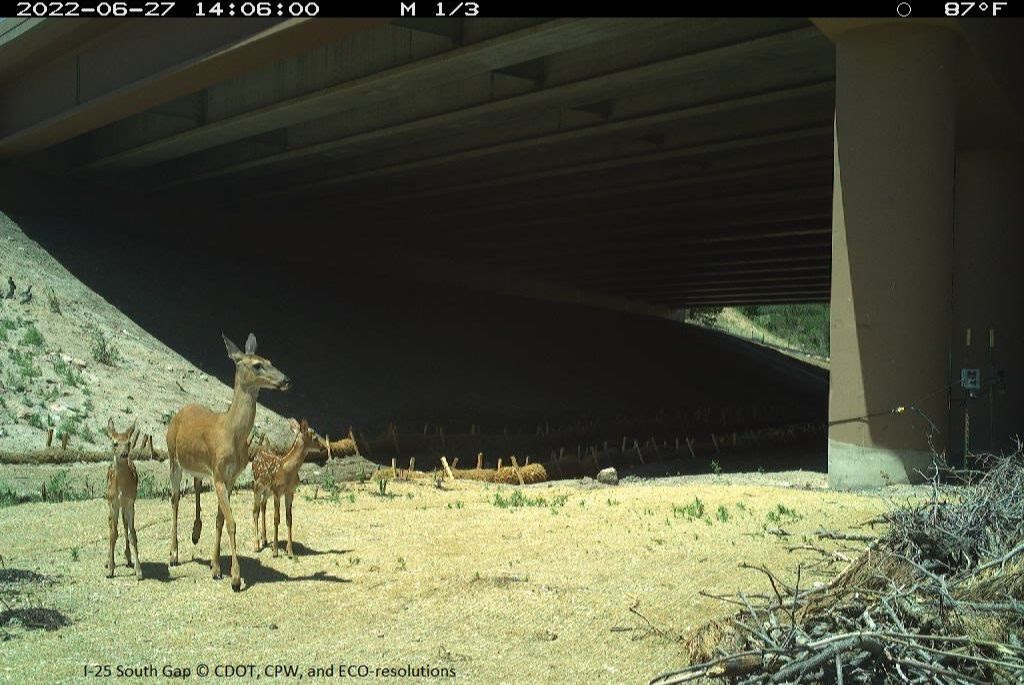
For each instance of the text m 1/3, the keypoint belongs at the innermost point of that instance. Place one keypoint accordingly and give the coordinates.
(441, 9)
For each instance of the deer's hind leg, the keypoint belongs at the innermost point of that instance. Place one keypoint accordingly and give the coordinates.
(175, 497)
(197, 526)
(256, 496)
(288, 517)
(277, 519)
(263, 518)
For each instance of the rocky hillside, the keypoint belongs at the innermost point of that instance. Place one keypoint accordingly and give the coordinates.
(69, 360)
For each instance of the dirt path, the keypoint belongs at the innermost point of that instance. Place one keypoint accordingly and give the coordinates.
(450, 579)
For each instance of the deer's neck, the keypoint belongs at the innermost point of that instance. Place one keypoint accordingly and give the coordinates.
(242, 412)
(295, 456)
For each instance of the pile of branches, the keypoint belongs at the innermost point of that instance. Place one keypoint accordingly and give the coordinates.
(937, 598)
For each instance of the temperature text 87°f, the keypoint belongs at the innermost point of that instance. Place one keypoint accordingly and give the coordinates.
(443, 9)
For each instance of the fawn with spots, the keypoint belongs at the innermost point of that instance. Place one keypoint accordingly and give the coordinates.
(278, 474)
(122, 488)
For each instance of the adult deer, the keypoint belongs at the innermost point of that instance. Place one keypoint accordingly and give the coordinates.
(208, 444)
(278, 474)
(122, 488)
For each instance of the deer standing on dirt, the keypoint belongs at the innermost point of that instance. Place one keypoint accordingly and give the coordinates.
(122, 488)
(278, 474)
(208, 444)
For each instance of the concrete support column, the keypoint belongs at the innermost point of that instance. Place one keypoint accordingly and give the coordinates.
(892, 226)
(988, 298)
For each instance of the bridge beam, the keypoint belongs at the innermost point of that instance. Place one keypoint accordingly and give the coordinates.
(92, 84)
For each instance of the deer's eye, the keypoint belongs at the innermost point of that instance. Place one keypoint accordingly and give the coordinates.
(257, 365)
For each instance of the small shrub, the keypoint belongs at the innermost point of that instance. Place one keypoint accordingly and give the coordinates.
(102, 348)
(23, 361)
(13, 382)
(382, 486)
(32, 337)
(54, 303)
(716, 468)
(693, 510)
(149, 489)
(67, 426)
(781, 513)
(60, 489)
(707, 316)
(7, 494)
(67, 373)
(86, 433)
(518, 499)
(74, 554)
(722, 514)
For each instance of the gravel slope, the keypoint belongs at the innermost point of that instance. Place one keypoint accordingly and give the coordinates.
(49, 374)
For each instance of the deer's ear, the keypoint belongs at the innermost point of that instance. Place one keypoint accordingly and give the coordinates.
(110, 427)
(250, 344)
(233, 351)
(304, 426)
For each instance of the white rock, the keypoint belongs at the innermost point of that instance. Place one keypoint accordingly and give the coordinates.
(608, 476)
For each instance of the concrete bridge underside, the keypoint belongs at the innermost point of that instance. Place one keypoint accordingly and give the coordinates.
(643, 165)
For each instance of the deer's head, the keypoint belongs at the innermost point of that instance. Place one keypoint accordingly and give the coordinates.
(122, 443)
(253, 370)
(304, 434)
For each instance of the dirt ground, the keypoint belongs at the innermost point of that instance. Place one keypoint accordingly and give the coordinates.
(422, 577)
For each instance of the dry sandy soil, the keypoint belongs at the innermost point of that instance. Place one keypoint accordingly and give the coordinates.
(147, 380)
(445, 578)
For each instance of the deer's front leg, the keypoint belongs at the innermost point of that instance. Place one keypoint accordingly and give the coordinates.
(132, 536)
(288, 517)
(229, 520)
(112, 520)
(127, 537)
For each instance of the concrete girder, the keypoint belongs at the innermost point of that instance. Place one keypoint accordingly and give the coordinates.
(477, 117)
(369, 90)
(93, 85)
